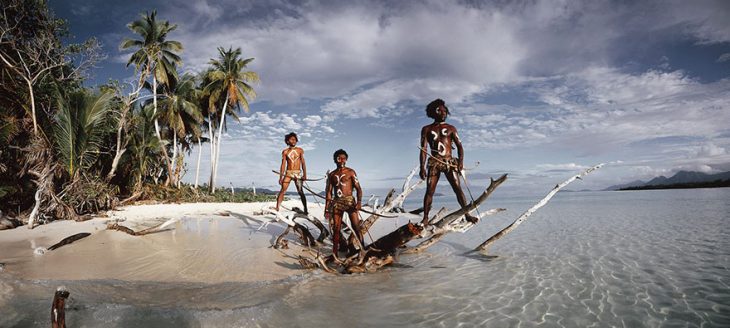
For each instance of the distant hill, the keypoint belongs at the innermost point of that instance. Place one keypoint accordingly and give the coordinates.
(682, 179)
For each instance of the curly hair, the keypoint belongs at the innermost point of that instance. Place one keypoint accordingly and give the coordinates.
(338, 153)
(432, 106)
(292, 134)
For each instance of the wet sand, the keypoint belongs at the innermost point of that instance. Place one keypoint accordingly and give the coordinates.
(211, 243)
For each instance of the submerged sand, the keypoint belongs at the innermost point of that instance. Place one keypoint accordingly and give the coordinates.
(211, 243)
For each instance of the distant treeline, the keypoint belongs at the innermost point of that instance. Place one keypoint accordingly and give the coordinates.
(689, 185)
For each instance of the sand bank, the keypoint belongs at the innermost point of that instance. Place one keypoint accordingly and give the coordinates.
(212, 242)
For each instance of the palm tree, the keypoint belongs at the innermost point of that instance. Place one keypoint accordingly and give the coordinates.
(230, 80)
(181, 114)
(80, 128)
(154, 53)
(144, 146)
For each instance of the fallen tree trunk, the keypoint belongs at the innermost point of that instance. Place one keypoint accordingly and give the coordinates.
(483, 247)
(157, 228)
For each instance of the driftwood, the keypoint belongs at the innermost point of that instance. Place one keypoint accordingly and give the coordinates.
(7, 222)
(58, 308)
(483, 247)
(385, 250)
(68, 240)
(303, 232)
(391, 202)
(157, 228)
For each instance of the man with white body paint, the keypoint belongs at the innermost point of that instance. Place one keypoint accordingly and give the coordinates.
(340, 200)
(441, 138)
(293, 167)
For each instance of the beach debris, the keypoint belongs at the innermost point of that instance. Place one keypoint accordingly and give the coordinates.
(7, 222)
(154, 229)
(68, 240)
(483, 246)
(303, 232)
(2, 267)
(58, 308)
(385, 250)
(39, 250)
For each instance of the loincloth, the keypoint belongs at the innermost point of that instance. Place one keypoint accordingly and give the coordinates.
(343, 204)
(294, 174)
(442, 164)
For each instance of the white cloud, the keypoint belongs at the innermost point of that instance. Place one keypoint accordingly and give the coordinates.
(709, 150)
(571, 167)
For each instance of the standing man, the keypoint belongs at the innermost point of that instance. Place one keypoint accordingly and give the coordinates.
(441, 138)
(292, 167)
(339, 199)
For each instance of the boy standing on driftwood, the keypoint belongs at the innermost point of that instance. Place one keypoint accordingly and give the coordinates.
(339, 200)
(292, 167)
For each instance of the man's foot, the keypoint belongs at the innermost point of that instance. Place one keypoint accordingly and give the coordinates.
(472, 219)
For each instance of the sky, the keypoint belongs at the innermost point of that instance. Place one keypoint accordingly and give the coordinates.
(540, 90)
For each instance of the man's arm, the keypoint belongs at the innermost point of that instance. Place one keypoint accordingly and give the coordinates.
(422, 154)
(283, 167)
(327, 197)
(459, 148)
(356, 184)
(304, 166)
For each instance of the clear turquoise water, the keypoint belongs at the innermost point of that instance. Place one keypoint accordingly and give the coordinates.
(590, 259)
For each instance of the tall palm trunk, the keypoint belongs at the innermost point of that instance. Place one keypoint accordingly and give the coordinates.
(154, 104)
(211, 134)
(166, 156)
(175, 168)
(220, 138)
(197, 166)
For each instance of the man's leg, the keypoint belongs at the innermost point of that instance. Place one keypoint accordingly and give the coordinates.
(455, 183)
(284, 187)
(336, 232)
(355, 220)
(299, 184)
(432, 179)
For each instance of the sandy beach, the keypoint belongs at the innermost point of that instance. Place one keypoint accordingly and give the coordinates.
(211, 243)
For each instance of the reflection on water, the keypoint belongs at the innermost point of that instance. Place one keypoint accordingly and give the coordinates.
(600, 259)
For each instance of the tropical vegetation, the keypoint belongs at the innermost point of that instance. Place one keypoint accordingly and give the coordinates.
(68, 150)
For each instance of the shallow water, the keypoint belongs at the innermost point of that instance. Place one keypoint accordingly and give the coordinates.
(590, 259)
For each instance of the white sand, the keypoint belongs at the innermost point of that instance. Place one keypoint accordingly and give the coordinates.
(212, 242)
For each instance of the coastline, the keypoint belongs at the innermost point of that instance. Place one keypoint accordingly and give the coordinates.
(210, 243)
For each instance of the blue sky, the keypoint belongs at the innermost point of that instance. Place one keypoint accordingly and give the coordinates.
(537, 89)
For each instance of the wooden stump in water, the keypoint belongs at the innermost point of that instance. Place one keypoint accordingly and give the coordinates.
(58, 310)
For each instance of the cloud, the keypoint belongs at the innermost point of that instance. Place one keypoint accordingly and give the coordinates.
(568, 167)
(601, 106)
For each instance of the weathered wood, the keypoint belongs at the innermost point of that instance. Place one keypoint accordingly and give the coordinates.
(58, 308)
(483, 246)
(68, 240)
(462, 225)
(391, 202)
(390, 242)
(157, 228)
(323, 231)
(493, 184)
(303, 232)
